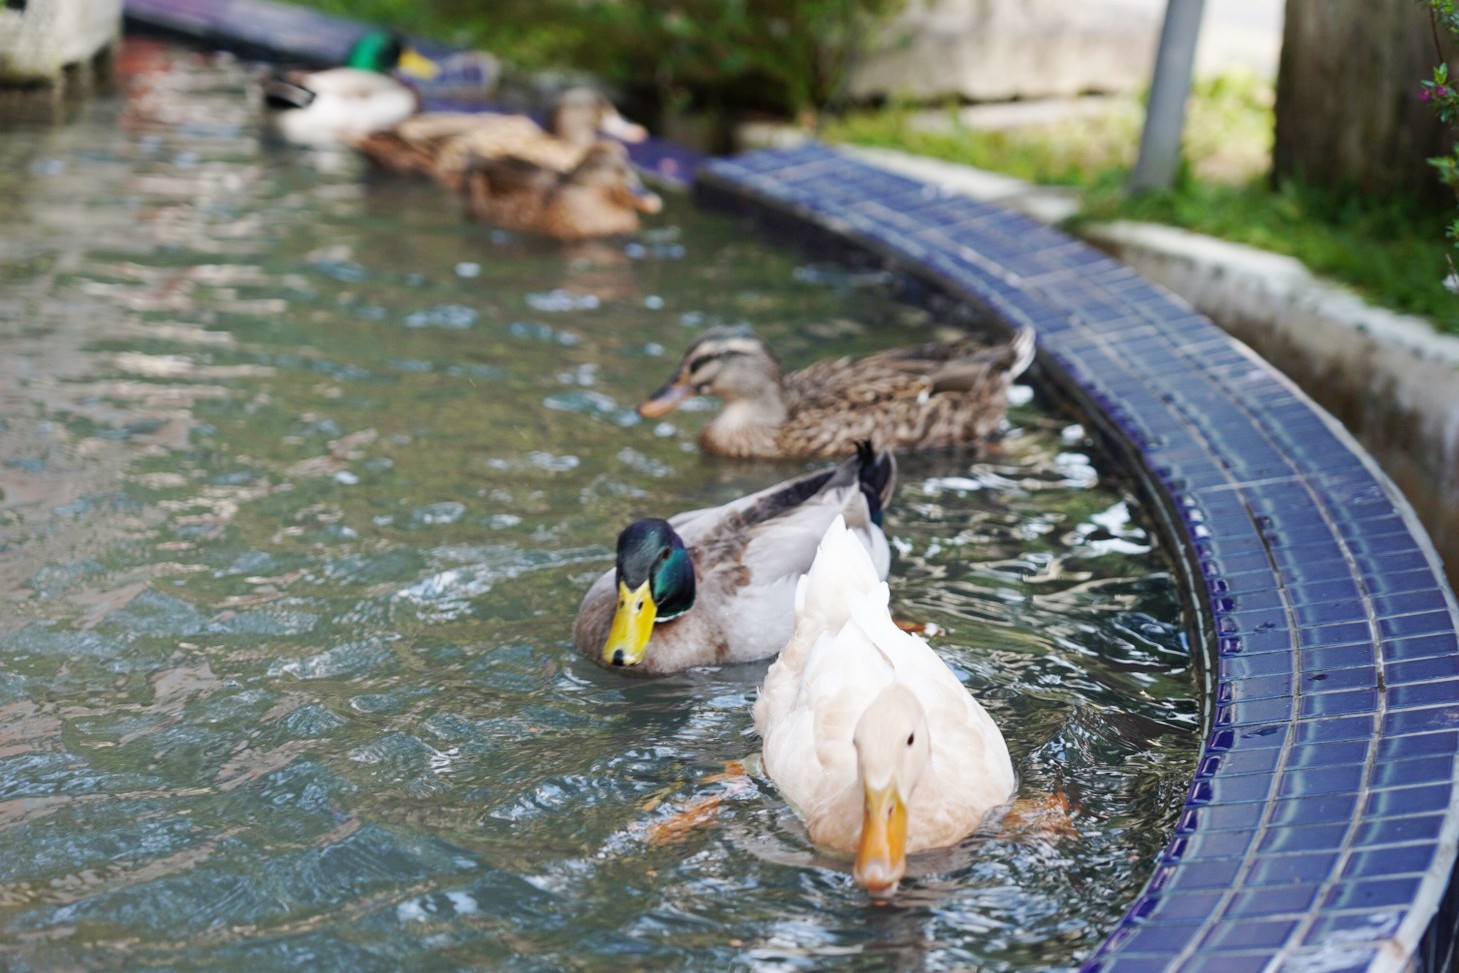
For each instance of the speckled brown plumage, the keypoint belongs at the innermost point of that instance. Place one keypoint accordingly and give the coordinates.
(442, 144)
(922, 397)
(600, 197)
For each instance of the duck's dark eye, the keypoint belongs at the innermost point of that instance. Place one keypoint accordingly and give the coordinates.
(910, 738)
(665, 556)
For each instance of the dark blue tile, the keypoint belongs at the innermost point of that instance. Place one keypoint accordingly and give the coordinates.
(1351, 752)
(1348, 634)
(1408, 773)
(1403, 801)
(1407, 721)
(1161, 937)
(1390, 862)
(1400, 582)
(1126, 964)
(1272, 900)
(1243, 667)
(1338, 704)
(1308, 781)
(1268, 934)
(1414, 695)
(1353, 959)
(1421, 647)
(1337, 680)
(1230, 790)
(1331, 657)
(1193, 876)
(1253, 711)
(1304, 837)
(1234, 817)
(1395, 831)
(1443, 742)
(1412, 602)
(1225, 962)
(1239, 763)
(1372, 894)
(1421, 670)
(1313, 810)
(1264, 687)
(1352, 930)
(1311, 869)
(1335, 729)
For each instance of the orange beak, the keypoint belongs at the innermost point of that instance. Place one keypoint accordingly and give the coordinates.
(881, 858)
(666, 399)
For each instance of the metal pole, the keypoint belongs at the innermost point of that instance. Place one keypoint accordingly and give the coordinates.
(1169, 89)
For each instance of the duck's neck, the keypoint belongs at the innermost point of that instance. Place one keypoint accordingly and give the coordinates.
(748, 427)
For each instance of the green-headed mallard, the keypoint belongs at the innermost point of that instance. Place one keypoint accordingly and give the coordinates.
(345, 104)
(716, 586)
(442, 144)
(602, 196)
(922, 397)
(867, 733)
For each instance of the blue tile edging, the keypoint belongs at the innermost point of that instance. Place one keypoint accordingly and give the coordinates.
(1319, 829)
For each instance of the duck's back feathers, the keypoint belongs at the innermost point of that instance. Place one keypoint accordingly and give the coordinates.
(926, 396)
(748, 556)
(335, 105)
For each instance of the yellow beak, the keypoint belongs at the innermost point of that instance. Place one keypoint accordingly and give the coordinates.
(881, 858)
(633, 623)
(413, 63)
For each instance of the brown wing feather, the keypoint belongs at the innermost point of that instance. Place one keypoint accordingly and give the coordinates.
(924, 397)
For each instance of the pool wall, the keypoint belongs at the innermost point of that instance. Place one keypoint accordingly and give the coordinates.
(1319, 828)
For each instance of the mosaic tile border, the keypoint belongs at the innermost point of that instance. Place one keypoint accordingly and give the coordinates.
(1319, 829)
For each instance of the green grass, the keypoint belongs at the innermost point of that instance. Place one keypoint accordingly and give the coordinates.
(1392, 253)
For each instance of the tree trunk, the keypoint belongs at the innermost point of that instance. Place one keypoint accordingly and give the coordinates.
(1348, 111)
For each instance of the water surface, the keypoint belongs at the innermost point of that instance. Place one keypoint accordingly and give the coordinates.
(303, 479)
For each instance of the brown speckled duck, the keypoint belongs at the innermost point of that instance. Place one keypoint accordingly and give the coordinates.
(602, 196)
(920, 397)
(442, 144)
(718, 585)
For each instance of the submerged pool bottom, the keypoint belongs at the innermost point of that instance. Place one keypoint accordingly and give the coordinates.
(304, 480)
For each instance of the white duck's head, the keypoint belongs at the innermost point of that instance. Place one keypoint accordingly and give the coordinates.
(892, 748)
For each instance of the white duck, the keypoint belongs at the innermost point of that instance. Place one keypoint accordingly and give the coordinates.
(868, 734)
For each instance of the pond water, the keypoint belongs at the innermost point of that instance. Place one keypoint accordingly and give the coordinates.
(303, 479)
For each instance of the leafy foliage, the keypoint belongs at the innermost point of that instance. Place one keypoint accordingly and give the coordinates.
(786, 57)
(1444, 97)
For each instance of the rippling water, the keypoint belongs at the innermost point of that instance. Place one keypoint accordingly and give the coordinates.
(303, 479)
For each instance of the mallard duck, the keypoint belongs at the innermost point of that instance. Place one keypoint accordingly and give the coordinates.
(346, 103)
(716, 586)
(867, 733)
(442, 144)
(905, 398)
(602, 196)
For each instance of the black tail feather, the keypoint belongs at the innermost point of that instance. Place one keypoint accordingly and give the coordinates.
(876, 473)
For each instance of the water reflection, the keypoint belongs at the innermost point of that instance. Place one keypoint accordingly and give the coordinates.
(303, 478)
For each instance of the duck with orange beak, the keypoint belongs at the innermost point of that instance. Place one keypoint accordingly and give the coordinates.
(868, 733)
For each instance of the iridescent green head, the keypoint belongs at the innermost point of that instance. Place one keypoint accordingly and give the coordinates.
(655, 578)
(385, 50)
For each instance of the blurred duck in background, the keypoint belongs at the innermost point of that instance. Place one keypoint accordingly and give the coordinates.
(442, 144)
(345, 104)
(600, 196)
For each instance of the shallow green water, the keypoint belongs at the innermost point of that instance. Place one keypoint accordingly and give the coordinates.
(303, 479)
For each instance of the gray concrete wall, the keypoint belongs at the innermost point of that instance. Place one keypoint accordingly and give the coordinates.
(996, 50)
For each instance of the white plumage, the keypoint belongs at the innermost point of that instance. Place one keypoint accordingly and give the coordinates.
(855, 712)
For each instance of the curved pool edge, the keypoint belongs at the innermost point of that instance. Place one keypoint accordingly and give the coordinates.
(1319, 829)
